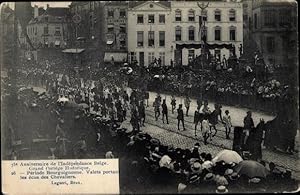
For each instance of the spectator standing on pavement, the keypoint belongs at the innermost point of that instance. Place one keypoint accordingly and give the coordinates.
(199, 103)
(164, 111)
(156, 105)
(135, 119)
(187, 103)
(227, 123)
(180, 117)
(248, 125)
(147, 98)
(173, 103)
(142, 114)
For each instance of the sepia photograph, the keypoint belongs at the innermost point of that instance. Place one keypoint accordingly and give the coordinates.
(150, 97)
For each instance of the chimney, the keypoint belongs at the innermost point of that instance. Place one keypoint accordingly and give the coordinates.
(35, 11)
(47, 6)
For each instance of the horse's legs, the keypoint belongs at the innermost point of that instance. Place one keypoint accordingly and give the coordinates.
(215, 130)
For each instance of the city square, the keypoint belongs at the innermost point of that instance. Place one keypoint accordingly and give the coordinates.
(190, 96)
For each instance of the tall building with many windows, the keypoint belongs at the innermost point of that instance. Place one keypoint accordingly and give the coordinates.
(221, 28)
(149, 33)
(49, 29)
(274, 28)
(88, 32)
(115, 31)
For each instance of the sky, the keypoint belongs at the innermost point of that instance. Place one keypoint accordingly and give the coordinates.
(52, 4)
(44, 4)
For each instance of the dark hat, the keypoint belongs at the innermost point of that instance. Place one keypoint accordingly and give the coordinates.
(194, 178)
(209, 177)
(234, 176)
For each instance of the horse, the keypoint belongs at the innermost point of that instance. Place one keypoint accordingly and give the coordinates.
(211, 117)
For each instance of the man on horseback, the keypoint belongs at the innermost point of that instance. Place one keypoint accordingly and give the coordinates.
(213, 118)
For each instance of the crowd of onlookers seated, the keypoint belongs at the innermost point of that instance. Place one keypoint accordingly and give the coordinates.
(190, 170)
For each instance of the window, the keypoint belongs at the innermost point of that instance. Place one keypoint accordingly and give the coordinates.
(151, 19)
(162, 19)
(122, 13)
(122, 29)
(35, 30)
(191, 15)
(285, 17)
(151, 38)
(191, 54)
(204, 15)
(218, 15)
(255, 21)
(191, 33)
(110, 28)
(269, 17)
(46, 30)
(140, 19)
(91, 21)
(218, 33)
(270, 44)
(151, 57)
(161, 38)
(140, 38)
(46, 18)
(162, 57)
(57, 31)
(110, 13)
(178, 33)
(232, 33)
(232, 15)
(123, 44)
(178, 15)
(132, 57)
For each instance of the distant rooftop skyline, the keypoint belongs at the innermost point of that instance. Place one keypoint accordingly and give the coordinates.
(44, 4)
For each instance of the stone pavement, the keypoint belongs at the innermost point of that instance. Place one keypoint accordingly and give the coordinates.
(169, 135)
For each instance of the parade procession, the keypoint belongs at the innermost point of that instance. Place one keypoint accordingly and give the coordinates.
(191, 97)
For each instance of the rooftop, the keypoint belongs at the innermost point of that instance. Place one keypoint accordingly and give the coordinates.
(137, 3)
(57, 11)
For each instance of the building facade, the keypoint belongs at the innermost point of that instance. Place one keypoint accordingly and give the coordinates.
(115, 31)
(6, 35)
(49, 29)
(90, 24)
(149, 33)
(274, 27)
(88, 32)
(221, 26)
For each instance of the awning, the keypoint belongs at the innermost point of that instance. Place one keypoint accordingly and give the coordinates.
(208, 46)
(118, 57)
(57, 42)
(110, 26)
(109, 42)
(73, 50)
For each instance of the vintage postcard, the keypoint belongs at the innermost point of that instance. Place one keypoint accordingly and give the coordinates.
(149, 97)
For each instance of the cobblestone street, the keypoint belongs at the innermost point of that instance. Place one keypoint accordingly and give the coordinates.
(169, 135)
